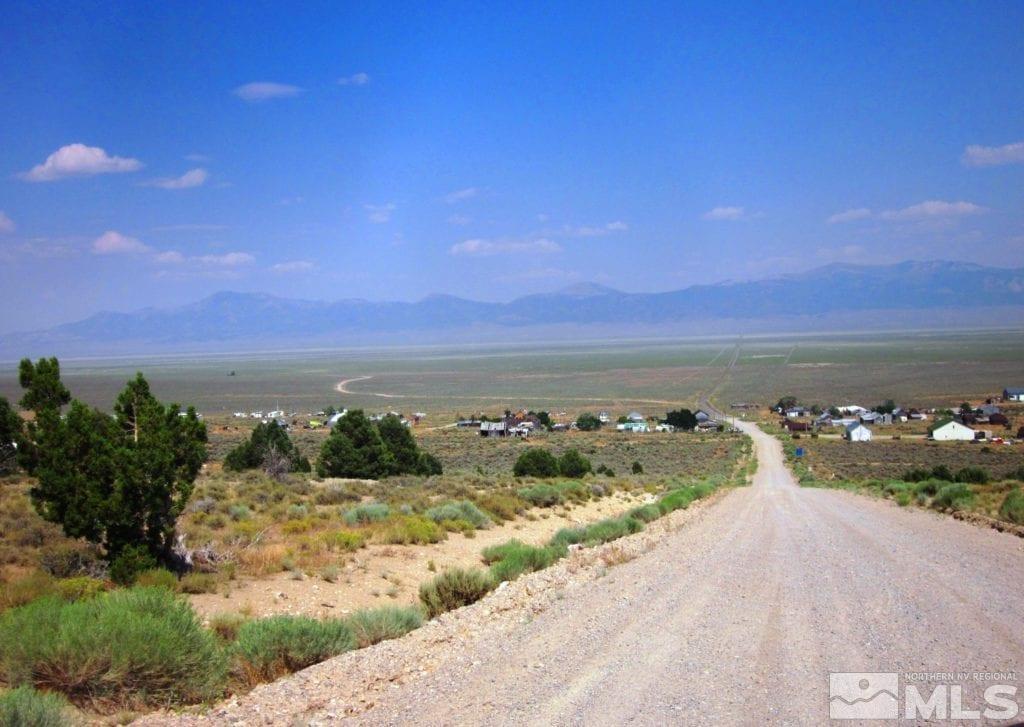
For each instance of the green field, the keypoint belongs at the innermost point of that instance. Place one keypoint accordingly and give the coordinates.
(921, 369)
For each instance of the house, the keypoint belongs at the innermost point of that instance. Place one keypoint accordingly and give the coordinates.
(989, 409)
(633, 426)
(493, 429)
(664, 428)
(796, 426)
(603, 417)
(857, 432)
(708, 425)
(951, 431)
(853, 409)
(874, 417)
(701, 415)
(1015, 394)
(635, 416)
(796, 411)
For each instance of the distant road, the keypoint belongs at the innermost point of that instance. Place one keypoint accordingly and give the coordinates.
(739, 618)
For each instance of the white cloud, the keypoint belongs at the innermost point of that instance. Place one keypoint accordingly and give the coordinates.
(992, 156)
(112, 242)
(724, 213)
(858, 213)
(379, 213)
(191, 178)
(480, 247)
(227, 260)
(265, 90)
(932, 209)
(79, 160)
(171, 257)
(293, 266)
(461, 194)
(7, 225)
(600, 230)
(356, 79)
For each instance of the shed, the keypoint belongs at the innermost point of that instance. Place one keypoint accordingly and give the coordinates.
(857, 432)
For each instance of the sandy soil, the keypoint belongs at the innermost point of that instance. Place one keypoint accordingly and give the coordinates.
(389, 574)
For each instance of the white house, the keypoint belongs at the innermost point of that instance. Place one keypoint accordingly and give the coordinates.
(1014, 394)
(857, 432)
(664, 428)
(852, 409)
(633, 427)
(952, 431)
(603, 417)
(635, 416)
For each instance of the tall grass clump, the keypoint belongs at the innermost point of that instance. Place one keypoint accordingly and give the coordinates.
(462, 510)
(1012, 509)
(956, 496)
(372, 625)
(25, 707)
(453, 589)
(603, 531)
(133, 648)
(510, 560)
(411, 530)
(368, 512)
(272, 647)
(646, 513)
(541, 495)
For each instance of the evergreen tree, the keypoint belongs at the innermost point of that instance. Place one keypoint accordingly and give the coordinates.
(588, 422)
(536, 462)
(428, 465)
(681, 419)
(120, 481)
(401, 445)
(42, 385)
(11, 437)
(268, 441)
(573, 464)
(354, 449)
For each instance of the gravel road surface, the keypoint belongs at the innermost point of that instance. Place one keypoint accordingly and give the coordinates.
(735, 617)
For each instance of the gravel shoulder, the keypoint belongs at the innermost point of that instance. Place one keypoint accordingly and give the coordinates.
(731, 612)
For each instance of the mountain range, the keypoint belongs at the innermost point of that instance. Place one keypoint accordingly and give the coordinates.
(933, 294)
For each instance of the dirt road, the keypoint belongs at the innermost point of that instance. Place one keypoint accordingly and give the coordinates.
(739, 618)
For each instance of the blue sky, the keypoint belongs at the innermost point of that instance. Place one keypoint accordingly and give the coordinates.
(153, 154)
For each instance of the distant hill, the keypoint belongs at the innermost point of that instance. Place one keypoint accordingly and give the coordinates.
(936, 294)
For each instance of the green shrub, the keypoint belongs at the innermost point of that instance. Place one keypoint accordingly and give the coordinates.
(373, 625)
(412, 530)
(25, 707)
(510, 560)
(603, 531)
(573, 464)
(272, 647)
(462, 510)
(1012, 509)
(928, 487)
(646, 513)
(297, 512)
(536, 462)
(428, 465)
(453, 589)
(573, 491)
(955, 496)
(239, 512)
(157, 578)
(676, 499)
(132, 560)
(501, 506)
(368, 512)
(138, 647)
(637, 468)
(973, 475)
(344, 540)
(198, 583)
(541, 495)
(80, 588)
